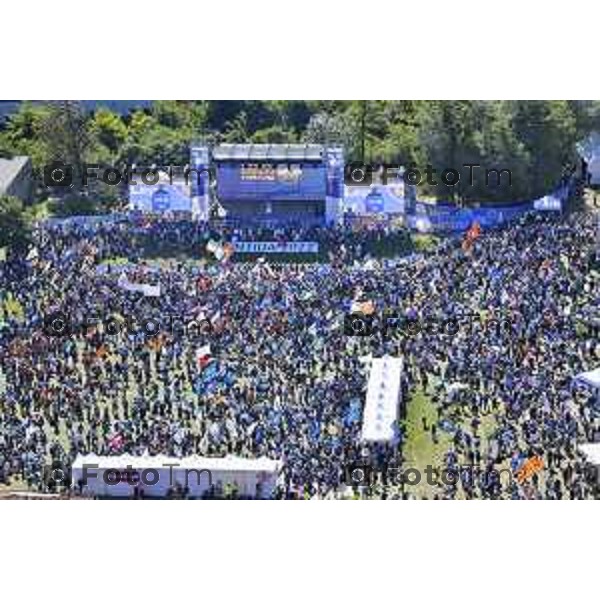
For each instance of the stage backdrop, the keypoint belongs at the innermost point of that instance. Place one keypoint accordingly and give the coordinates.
(247, 181)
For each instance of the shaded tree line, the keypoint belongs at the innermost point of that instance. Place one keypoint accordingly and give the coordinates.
(535, 140)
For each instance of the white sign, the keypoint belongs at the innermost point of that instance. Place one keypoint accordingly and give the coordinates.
(548, 203)
(383, 397)
(144, 288)
(276, 247)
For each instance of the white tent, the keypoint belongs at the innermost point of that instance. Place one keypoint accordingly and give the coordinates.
(119, 476)
(590, 378)
(592, 452)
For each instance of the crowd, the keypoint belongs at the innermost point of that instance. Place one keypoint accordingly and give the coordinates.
(284, 380)
(154, 237)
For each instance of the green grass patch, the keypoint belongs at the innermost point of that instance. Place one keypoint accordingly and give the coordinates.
(424, 242)
(419, 448)
(116, 260)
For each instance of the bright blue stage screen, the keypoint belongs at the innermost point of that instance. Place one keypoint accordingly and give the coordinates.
(244, 181)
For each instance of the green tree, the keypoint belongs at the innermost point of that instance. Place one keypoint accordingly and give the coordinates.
(76, 204)
(274, 135)
(289, 114)
(149, 142)
(65, 133)
(236, 131)
(222, 112)
(333, 129)
(459, 133)
(109, 134)
(14, 223)
(548, 130)
(392, 131)
(22, 135)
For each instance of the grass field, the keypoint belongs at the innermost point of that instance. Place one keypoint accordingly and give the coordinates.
(419, 448)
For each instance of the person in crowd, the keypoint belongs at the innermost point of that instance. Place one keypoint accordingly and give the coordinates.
(283, 379)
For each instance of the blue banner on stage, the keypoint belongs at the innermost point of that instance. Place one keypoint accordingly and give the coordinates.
(448, 219)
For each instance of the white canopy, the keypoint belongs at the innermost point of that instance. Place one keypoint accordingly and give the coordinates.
(592, 452)
(591, 378)
(228, 463)
(120, 476)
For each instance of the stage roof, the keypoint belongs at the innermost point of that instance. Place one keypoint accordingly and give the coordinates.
(266, 152)
(9, 169)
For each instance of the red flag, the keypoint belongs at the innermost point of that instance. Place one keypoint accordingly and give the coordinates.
(204, 283)
(203, 356)
(474, 231)
(472, 234)
(116, 442)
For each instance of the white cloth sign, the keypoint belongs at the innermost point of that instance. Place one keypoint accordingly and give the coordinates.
(143, 288)
(383, 398)
(276, 247)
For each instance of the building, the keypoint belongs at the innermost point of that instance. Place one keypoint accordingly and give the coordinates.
(16, 177)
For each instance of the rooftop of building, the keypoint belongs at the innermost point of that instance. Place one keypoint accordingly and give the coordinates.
(10, 168)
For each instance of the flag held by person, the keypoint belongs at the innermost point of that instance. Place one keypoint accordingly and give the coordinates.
(203, 356)
(228, 250)
(472, 234)
(32, 254)
(116, 442)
